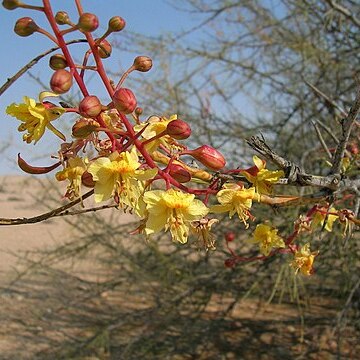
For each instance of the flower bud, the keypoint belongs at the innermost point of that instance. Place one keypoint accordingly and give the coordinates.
(230, 263)
(83, 128)
(179, 173)
(88, 22)
(11, 4)
(90, 106)
(104, 49)
(61, 81)
(62, 18)
(58, 61)
(124, 101)
(139, 111)
(230, 236)
(87, 179)
(209, 157)
(25, 26)
(142, 63)
(178, 129)
(116, 23)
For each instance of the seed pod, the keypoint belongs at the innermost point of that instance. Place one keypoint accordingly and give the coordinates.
(25, 26)
(142, 63)
(116, 23)
(88, 22)
(178, 129)
(124, 101)
(58, 61)
(61, 81)
(90, 106)
(209, 157)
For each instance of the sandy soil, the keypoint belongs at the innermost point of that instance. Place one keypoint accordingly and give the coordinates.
(21, 197)
(27, 197)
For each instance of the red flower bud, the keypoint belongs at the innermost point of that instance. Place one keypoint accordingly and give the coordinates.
(11, 4)
(142, 63)
(25, 26)
(104, 49)
(62, 18)
(209, 157)
(90, 106)
(61, 81)
(116, 23)
(179, 173)
(230, 263)
(88, 22)
(57, 62)
(230, 236)
(139, 111)
(178, 129)
(124, 101)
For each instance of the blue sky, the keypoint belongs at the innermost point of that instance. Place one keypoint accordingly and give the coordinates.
(142, 16)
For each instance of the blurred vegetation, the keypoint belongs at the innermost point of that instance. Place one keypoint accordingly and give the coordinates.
(244, 69)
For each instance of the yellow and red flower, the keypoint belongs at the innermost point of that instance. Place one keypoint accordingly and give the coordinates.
(36, 117)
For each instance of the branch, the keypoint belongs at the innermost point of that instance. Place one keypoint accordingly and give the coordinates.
(346, 125)
(345, 11)
(31, 63)
(45, 216)
(294, 174)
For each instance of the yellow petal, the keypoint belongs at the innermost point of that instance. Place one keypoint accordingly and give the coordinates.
(196, 209)
(155, 222)
(260, 164)
(216, 209)
(180, 233)
(96, 166)
(20, 111)
(153, 197)
(45, 94)
(143, 175)
(103, 191)
(56, 131)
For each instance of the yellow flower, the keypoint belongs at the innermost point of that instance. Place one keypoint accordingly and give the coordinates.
(202, 229)
(154, 126)
(36, 117)
(235, 199)
(267, 238)
(119, 175)
(320, 217)
(303, 260)
(73, 172)
(263, 179)
(174, 210)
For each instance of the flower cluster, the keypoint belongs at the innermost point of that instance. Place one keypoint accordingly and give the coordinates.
(141, 164)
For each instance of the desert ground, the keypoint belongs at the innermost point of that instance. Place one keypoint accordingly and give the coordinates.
(33, 318)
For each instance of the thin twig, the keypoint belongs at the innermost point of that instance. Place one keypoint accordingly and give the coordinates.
(345, 11)
(346, 126)
(321, 139)
(84, 211)
(45, 216)
(328, 130)
(31, 63)
(325, 97)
